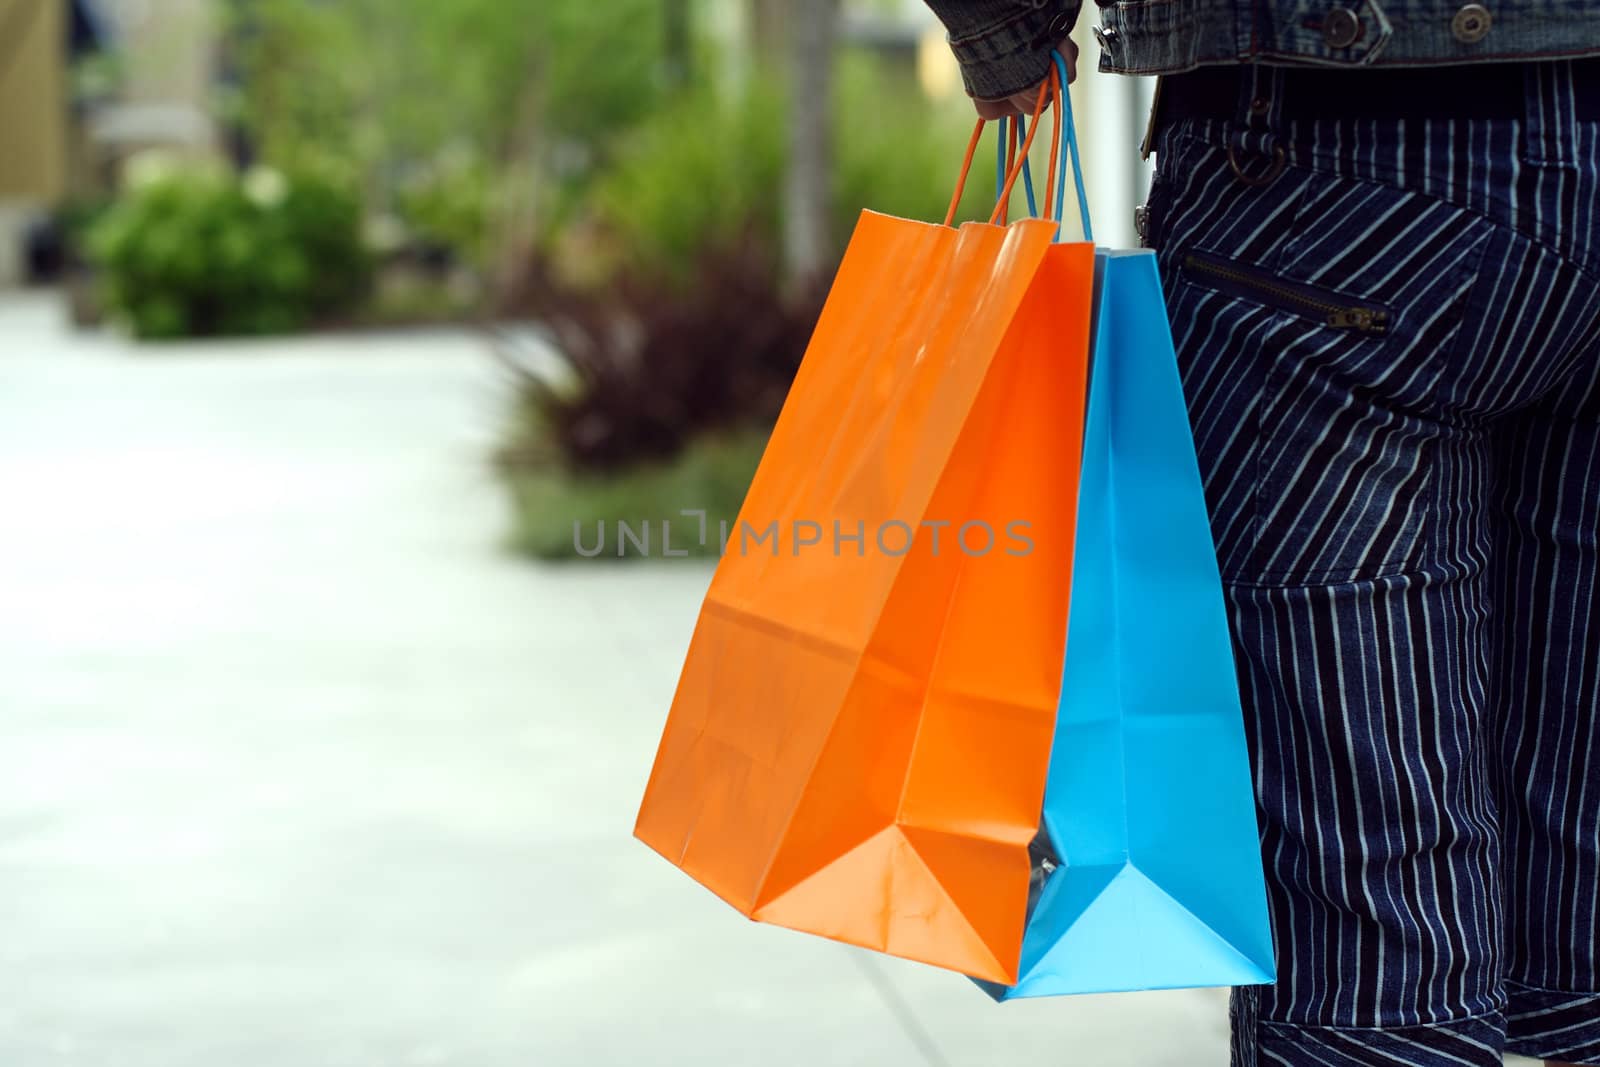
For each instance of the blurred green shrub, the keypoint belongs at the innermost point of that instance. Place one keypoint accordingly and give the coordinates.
(711, 165)
(465, 121)
(197, 252)
(897, 153)
(444, 204)
(694, 176)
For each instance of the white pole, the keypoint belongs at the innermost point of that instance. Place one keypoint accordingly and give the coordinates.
(1110, 111)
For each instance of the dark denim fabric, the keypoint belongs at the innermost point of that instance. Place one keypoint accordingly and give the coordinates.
(1166, 36)
(1389, 332)
(1002, 44)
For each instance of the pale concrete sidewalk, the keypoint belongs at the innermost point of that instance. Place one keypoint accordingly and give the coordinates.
(297, 769)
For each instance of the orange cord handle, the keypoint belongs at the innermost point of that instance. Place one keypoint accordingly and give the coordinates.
(1055, 143)
(1014, 160)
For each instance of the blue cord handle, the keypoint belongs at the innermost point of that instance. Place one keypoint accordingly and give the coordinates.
(1027, 174)
(1069, 153)
(1069, 148)
(1000, 161)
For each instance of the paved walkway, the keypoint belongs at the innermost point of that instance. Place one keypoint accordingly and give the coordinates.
(297, 769)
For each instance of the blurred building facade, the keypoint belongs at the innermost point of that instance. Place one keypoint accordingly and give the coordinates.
(85, 86)
(166, 67)
(34, 120)
(33, 100)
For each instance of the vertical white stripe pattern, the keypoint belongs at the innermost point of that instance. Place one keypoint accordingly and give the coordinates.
(1408, 521)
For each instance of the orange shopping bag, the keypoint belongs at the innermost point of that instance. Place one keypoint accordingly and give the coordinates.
(860, 736)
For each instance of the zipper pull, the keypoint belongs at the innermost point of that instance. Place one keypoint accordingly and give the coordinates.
(1364, 320)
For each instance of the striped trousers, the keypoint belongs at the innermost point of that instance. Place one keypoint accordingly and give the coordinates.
(1389, 332)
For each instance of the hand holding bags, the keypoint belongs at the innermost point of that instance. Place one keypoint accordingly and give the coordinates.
(862, 734)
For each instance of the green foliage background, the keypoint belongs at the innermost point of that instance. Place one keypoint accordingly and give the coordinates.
(481, 123)
(708, 166)
(453, 114)
(193, 253)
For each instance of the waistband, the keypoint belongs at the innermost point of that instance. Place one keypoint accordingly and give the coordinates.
(1477, 91)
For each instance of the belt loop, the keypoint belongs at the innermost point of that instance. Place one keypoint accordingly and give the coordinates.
(1259, 118)
(1549, 119)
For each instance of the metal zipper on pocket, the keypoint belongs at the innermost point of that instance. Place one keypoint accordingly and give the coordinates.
(1290, 296)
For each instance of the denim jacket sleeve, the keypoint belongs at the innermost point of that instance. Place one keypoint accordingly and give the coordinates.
(1004, 45)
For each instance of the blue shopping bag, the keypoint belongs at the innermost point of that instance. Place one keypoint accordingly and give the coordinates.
(1148, 870)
